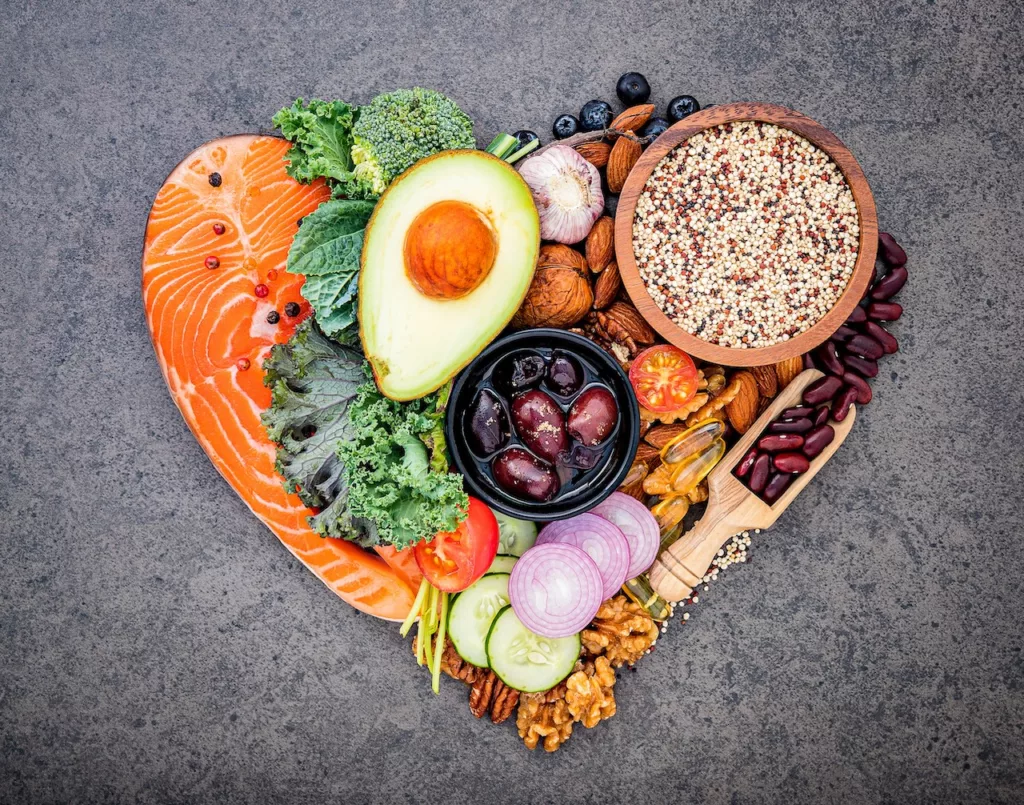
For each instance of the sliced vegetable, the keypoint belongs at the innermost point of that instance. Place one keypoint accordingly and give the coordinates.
(453, 560)
(503, 563)
(514, 536)
(664, 378)
(555, 589)
(601, 540)
(525, 660)
(637, 524)
(471, 616)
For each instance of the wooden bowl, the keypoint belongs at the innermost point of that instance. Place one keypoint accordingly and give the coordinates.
(863, 268)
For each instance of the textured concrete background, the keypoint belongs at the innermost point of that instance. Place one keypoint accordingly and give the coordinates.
(158, 644)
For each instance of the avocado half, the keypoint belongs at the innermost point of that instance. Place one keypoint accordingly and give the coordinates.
(448, 257)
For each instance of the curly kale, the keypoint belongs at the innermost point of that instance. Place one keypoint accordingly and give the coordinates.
(394, 480)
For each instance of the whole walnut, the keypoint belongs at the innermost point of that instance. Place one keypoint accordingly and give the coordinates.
(560, 294)
(589, 693)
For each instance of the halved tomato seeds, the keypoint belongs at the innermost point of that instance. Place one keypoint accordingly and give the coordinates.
(452, 561)
(664, 378)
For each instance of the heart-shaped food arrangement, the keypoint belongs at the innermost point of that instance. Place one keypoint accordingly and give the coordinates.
(529, 398)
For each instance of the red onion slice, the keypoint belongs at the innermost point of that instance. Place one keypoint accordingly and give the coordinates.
(638, 525)
(555, 590)
(603, 541)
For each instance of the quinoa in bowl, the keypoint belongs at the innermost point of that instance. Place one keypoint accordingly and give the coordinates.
(746, 234)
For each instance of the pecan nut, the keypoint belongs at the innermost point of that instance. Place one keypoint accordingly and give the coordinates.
(623, 317)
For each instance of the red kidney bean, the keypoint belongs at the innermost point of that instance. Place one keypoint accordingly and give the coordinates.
(859, 383)
(862, 366)
(774, 442)
(791, 462)
(859, 315)
(865, 346)
(821, 415)
(882, 336)
(828, 357)
(796, 412)
(822, 390)
(841, 404)
(818, 439)
(807, 360)
(892, 252)
(885, 311)
(776, 486)
(746, 463)
(801, 425)
(842, 333)
(759, 475)
(890, 284)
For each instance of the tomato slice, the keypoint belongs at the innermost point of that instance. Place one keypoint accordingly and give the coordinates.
(453, 561)
(664, 378)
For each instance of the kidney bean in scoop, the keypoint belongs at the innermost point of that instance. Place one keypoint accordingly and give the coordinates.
(791, 462)
(759, 474)
(776, 485)
(817, 440)
(746, 463)
(841, 405)
(821, 415)
(801, 425)
(776, 442)
(796, 412)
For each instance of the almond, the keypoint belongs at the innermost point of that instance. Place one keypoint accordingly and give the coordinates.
(767, 382)
(786, 370)
(648, 454)
(596, 152)
(633, 118)
(607, 286)
(660, 435)
(628, 318)
(623, 157)
(742, 411)
(601, 244)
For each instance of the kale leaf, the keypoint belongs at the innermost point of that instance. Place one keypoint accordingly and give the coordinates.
(327, 250)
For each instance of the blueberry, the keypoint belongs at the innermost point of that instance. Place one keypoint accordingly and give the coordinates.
(633, 89)
(595, 115)
(524, 137)
(682, 106)
(565, 126)
(654, 127)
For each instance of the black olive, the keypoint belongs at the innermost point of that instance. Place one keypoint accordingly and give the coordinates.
(565, 126)
(565, 375)
(611, 204)
(654, 127)
(633, 89)
(524, 137)
(518, 372)
(596, 115)
(682, 106)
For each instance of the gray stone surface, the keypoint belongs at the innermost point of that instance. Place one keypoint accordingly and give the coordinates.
(157, 644)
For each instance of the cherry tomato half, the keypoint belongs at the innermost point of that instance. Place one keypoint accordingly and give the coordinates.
(452, 561)
(664, 378)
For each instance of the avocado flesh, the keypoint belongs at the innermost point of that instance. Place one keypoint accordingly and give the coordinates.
(415, 343)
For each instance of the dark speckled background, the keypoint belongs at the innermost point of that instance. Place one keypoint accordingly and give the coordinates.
(157, 644)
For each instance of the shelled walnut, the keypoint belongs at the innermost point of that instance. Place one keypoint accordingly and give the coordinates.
(622, 631)
(539, 719)
(589, 692)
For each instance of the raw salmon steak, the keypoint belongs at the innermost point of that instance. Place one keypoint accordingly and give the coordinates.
(213, 268)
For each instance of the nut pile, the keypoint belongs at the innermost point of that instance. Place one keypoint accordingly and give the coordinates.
(746, 234)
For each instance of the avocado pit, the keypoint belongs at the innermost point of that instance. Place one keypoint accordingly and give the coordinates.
(449, 249)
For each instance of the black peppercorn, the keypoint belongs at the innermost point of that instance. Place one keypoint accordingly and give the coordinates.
(292, 309)
(273, 317)
(215, 179)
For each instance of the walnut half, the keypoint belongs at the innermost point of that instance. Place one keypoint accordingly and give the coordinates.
(622, 631)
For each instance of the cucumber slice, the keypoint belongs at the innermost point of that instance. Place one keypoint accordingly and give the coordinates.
(515, 537)
(469, 619)
(502, 563)
(526, 661)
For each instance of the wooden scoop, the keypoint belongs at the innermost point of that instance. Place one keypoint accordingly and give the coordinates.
(732, 508)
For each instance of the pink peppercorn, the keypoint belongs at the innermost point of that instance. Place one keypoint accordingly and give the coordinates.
(243, 363)
(212, 262)
(218, 228)
(261, 290)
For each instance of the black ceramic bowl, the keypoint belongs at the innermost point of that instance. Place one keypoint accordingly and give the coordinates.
(584, 489)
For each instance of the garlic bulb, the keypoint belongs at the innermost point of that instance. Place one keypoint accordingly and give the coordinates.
(567, 192)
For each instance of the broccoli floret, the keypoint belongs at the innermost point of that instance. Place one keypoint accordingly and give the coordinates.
(399, 128)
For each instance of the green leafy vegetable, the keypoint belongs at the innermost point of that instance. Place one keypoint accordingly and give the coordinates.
(313, 381)
(326, 250)
(394, 479)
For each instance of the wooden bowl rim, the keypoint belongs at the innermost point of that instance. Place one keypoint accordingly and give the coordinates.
(824, 139)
